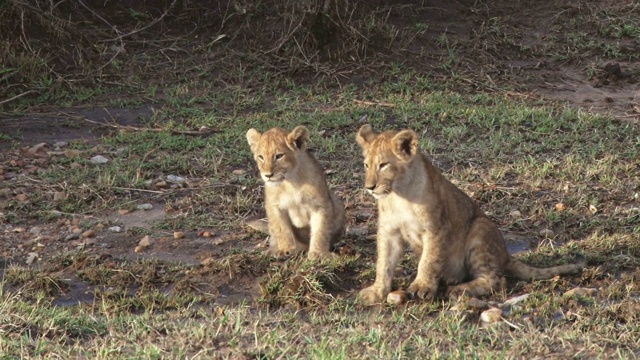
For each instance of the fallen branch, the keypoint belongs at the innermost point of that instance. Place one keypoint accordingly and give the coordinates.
(373, 103)
(17, 97)
(204, 131)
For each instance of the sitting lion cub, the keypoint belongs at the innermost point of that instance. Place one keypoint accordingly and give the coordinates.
(301, 211)
(455, 241)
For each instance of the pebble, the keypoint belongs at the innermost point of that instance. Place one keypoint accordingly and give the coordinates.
(397, 297)
(515, 214)
(178, 234)
(123, 212)
(581, 291)
(491, 315)
(145, 241)
(72, 236)
(116, 229)
(517, 299)
(60, 144)
(99, 159)
(89, 233)
(144, 207)
(238, 172)
(162, 184)
(35, 230)
(175, 179)
(34, 149)
(207, 234)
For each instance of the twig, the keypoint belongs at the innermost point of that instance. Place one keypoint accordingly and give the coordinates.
(17, 96)
(134, 128)
(141, 190)
(373, 103)
(99, 17)
(145, 27)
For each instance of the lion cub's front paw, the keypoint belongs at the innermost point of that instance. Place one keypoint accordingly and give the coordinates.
(321, 255)
(372, 295)
(284, 252)
(422, 290)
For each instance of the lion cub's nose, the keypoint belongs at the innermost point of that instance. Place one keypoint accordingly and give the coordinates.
(370, 187)
(268, 176)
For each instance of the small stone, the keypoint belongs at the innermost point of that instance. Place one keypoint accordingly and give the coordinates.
(207, 234)
(99, 159)
(123, 212)
(89, 233)
(239, 172)
(178, 234)
(144, 207)
(397, 297)
(145, 241)
(100, 227)
(491, 315)
(515, 214)
(175, 179)
(547, 233)
(76, 230)
(18, 230)
(60, 144)
(59, 195)
(35, 230)
(261, 225)
(72, 236)
(116, 229)
(22, 197)
(581, 292)
(560, 207)
(139, 249)
(517, 299)
(217, 241)
(357, 230)
(32, 256)
(34, 149)
(161, 185)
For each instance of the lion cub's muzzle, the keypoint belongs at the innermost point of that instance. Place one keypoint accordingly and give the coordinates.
(272, 178)
(377, 191)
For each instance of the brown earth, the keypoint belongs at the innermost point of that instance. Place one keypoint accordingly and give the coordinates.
(517, 58)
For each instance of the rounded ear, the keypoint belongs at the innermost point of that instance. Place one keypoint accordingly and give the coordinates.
(253, 136)
(297, 138)
(365, 135)
(405, 144)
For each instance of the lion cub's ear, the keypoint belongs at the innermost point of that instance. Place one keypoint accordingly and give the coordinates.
(253, 136)
(365, 135)
(405, 145)
(297, 138)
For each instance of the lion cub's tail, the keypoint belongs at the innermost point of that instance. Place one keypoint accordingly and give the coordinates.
(523, 271)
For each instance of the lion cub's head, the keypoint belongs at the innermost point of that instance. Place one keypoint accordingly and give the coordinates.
(386, 157)
(276, 152)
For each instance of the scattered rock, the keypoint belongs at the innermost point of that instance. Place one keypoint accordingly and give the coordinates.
(560, 207)
(239, 172)
(397, 297)
(491, 316)
(217, 241)
(59, 195)
(145, 241)
(161, 184)
(144, 207)
(72, 236)
(207, 234)
(34, 149)
(116, 229)
(59, 144)
(515, 214)
(76, 230)
(99, 159)
(547, 233)
(32, 256)
(139, 249)
(357, 230)
(89, 233)
(178, 235)
(517, 299)
(175, 179)
(18, 230)
(22, 197)
(593, 210)
(581, 291)
(35, 230)
(123, 212)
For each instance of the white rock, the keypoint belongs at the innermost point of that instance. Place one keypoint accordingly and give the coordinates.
(491, 315)
(517, 299)
(115, 229)
(144, 207)
(31, 258)
(60, 144)
(175, 179)
(547, 233)
(99, 159)
(146, 241)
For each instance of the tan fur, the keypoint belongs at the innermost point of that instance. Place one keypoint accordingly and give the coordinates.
(456, 243)
(301, 211)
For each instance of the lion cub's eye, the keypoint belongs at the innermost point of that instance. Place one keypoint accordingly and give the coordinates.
(382, 166)
(366, 166)
(260, 157)
(279, 156)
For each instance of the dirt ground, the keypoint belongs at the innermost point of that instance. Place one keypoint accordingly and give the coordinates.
(610, 88)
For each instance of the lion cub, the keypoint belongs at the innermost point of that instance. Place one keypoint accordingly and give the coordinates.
(302, 213)
(457, 244)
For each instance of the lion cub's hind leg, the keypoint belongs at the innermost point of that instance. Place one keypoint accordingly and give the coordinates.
(485, 258)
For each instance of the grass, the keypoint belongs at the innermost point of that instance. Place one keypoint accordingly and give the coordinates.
(535, 167)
